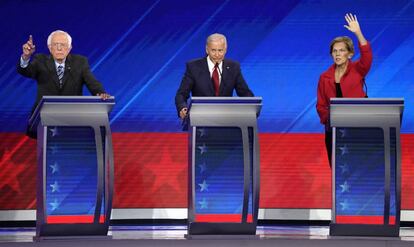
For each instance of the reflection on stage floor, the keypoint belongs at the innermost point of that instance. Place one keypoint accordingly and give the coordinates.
(284, 235)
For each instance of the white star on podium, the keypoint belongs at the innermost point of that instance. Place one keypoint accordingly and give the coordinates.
(203, 167)
(54, 204)
(344, 205)
(203, 186)
(342, 132)
(344, 150)
(54, 131)
(55, 186)
(203, 204)
(55, 167)
(54, 148)
(344, 187)
(202, 131)
(203, 149)
(344, 168)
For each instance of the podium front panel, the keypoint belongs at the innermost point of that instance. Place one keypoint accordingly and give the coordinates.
(360, 180)
(71, 175)
(219, 175)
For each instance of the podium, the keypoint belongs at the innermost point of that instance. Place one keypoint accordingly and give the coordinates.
(366, 166)
(75, 166)
(223, 160)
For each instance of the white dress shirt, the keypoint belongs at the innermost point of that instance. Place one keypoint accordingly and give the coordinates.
(211, 68)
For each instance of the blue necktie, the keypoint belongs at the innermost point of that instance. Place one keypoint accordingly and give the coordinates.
(60, 75)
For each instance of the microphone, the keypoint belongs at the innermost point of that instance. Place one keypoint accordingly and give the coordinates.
(366, 87)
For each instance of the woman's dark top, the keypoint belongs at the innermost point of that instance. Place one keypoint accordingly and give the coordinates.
(338, 90)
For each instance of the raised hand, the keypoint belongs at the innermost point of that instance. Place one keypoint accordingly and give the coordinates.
(353, 24)
(354, 27)
(28, 48)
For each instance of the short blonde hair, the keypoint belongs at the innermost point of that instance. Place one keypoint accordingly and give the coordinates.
(346, 40)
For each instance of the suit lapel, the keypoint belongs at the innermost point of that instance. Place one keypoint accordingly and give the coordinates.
(224, 74)
(52, 70)
(207, 77)
(67, 70)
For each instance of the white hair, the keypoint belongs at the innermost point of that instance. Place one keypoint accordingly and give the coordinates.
(216, 37)
(49, 39)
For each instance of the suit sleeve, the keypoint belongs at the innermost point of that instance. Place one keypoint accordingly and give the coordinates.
(183, 92)
(242, 89)
(31, 70)
(93, 85)
(322, 105)
(363, 65)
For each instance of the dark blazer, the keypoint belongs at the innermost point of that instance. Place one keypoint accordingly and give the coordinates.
(197, 81)
(77, 73)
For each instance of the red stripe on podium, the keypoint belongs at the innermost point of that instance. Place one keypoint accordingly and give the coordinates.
(72, 219)
(369, 220)
(392, 220)
(217, 218)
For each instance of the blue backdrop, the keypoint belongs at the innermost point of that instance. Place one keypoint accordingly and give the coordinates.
(138, 50)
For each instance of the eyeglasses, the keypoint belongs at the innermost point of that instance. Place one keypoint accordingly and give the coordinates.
(60, 45)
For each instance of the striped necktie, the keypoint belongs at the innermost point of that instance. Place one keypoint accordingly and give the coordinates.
(60, 71)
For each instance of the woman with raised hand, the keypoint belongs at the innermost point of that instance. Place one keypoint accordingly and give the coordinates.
(345, 78)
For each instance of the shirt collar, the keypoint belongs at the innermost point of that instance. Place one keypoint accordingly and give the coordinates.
(211, 65)
(57, 64)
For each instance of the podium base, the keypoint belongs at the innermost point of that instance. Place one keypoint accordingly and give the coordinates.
(64, 238)
(221, 237)
(221, 229)
(364, 230)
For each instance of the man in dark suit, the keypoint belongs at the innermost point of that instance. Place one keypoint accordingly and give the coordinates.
(59, 73)
(211, 76)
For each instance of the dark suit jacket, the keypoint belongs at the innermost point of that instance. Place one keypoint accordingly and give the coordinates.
(197, 81)
(77, 73)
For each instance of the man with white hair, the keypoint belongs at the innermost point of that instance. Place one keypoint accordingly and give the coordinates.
(211, 76)
(59, 73)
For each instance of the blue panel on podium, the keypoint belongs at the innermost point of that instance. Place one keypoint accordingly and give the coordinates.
(359, 151)
(71, 175)
(219, 174)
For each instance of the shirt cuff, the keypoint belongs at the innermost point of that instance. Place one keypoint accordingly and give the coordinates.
(24, 63)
